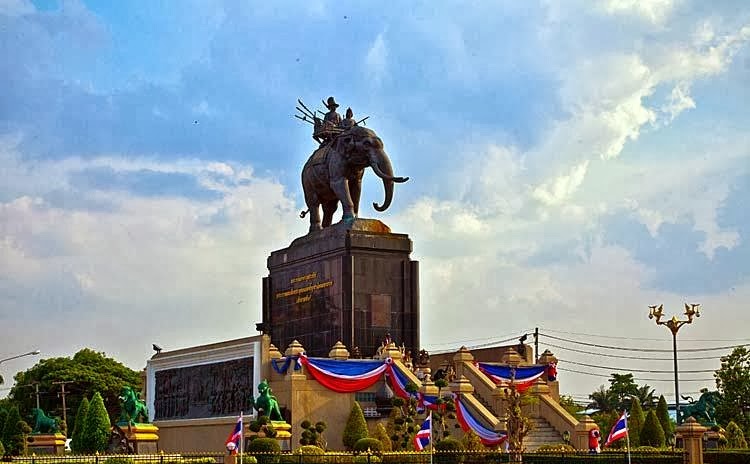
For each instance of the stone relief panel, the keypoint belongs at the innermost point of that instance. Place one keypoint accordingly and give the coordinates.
(209, 390)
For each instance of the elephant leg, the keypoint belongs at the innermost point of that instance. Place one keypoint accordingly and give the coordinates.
(355, 189)
(313, 205)
(341, 189)
(328, 209)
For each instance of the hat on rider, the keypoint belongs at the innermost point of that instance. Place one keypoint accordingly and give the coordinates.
(331, 103)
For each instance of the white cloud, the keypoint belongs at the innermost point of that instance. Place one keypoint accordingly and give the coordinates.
(679, 101)
(376, 59)
(655, 11)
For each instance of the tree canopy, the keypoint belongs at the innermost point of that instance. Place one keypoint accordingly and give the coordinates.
(733, 383)
(88, 370)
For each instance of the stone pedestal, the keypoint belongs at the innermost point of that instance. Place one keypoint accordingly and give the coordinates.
(581, 433)
(691, 435)
(141, 438)
(47, 443)
(353, 284)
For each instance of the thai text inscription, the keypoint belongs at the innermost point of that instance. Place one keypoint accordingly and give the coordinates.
(209, 390)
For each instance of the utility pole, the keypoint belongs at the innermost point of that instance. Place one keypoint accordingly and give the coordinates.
(536, 344)
(62, 393)
(36, 392)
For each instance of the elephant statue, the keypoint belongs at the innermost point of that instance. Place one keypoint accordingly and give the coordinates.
(333, 174)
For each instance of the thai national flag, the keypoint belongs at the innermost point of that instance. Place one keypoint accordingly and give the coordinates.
(424, 435)
(233, 442)
(619, 430)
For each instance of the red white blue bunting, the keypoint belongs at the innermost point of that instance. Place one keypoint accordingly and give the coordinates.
(344, 376)
(469, 422)
(524, 375)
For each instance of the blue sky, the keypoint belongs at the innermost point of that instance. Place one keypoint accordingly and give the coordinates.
(570, 163)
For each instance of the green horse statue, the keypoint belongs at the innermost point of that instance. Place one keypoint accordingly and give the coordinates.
(43, 423)
(133, 407)
(266, 404)
(703, 410)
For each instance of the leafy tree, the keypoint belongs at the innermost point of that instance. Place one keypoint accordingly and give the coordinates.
(662, 413)
(3, 416)
(401, 422)
(13, 433)
(733, 383)
(90, 371)
(570, 405)
(735, 436)
(356, 426)
(652, 433)
(645, 395)
(472, 442)
(77, 441)
(635, 424)
(382, 435)
(603, 400)
(96, 427)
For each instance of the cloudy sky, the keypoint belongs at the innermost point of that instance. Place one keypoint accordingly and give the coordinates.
(571, 163)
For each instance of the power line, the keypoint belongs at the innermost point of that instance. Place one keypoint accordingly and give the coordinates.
(634, 378)
(637, 370)
(650, 339)
(510, 336)
(622, 356)
(648, 350)
(484, 345)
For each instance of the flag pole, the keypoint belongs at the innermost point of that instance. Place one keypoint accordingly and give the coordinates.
(242, 436)
(432, 441)
(627, 435)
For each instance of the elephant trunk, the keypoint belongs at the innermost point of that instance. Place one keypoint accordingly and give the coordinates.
(382, 167)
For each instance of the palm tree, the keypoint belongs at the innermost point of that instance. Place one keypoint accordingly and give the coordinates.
(645, 395)
(603, 400)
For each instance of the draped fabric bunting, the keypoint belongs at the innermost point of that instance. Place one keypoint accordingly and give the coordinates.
(524, 378)
(467, 421)
(344, 376)
(398, 380)
(285, 366)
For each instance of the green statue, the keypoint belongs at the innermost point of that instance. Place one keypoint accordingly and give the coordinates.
(133, 407)
(42, 423)
(266, 404)
(703, 410)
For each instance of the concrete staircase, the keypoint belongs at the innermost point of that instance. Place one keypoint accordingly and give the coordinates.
(542, 433)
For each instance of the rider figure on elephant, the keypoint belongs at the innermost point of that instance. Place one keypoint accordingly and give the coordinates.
(325, 131)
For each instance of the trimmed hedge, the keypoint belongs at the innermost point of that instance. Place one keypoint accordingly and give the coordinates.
(726, 457)
(310, 454)
(373, 444)
(265, 450)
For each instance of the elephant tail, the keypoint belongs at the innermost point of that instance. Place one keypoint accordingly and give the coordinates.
(304, 213)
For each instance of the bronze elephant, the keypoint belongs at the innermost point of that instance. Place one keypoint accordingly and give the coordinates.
(333, 174)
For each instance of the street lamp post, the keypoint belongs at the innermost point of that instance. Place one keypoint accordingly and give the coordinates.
(674, 324)
(30, 353)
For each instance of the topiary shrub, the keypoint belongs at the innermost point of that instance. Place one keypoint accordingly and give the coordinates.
(2, 449)
(96, 426)
(265, 450)
(635, 423)
(77, 441)
(373, 444)
(356, 426)
(12, 436)
(447, 451)
(652, 433)
(382, 434)
(735, 437)
(310, 454)
(646, 448)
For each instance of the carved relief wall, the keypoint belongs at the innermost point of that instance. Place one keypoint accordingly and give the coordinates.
(209, 390)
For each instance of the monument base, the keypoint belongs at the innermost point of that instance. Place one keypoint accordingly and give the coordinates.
(47, 443)
(137, 438)
(352, 282)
